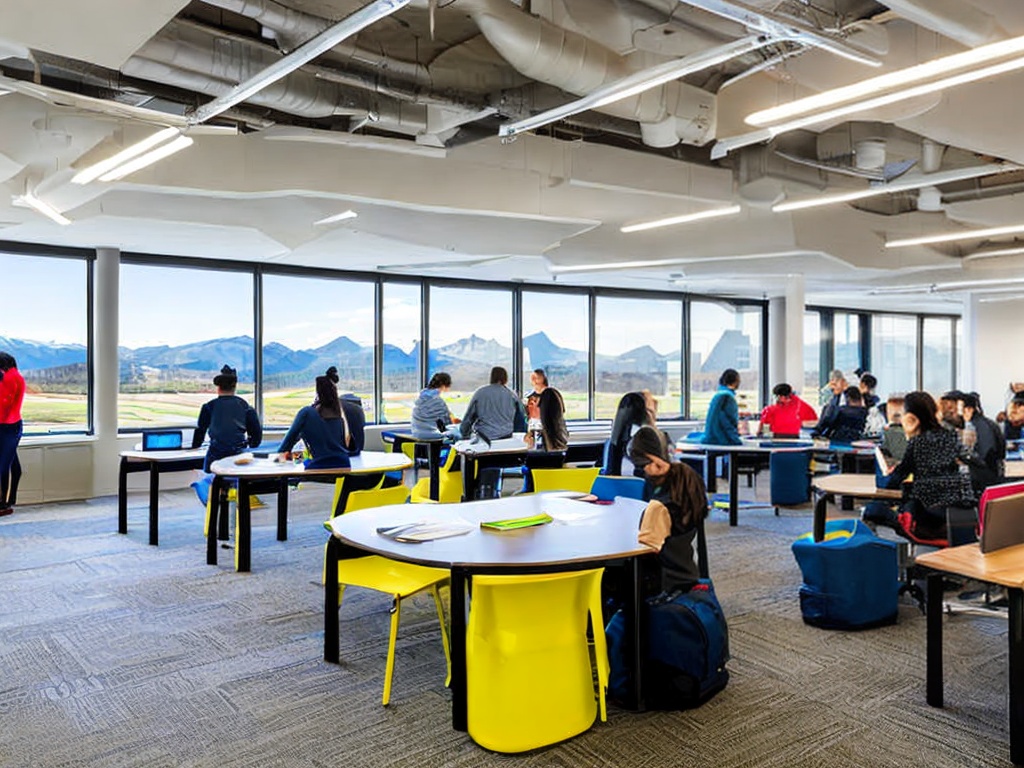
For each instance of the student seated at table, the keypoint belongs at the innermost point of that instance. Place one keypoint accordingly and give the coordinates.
(355, 417)
(894, 438)
(430, 411)
(786, 415)
(546, 420)
(494, 411)
(632, 413)
(987, 444)
(949, 409)
(837, 386)
(933, 457)
(678, 502)
(846, 423)
(1013, 425)
(721, 425)
(322, 427)
(233, 424)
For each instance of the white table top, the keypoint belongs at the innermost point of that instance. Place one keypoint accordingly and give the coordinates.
(860, 486)
(581, 532)
(365, 463)
(158, 456)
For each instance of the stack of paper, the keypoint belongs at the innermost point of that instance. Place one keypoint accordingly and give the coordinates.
(413, 533)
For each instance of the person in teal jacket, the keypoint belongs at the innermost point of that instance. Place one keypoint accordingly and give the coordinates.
(721, 427)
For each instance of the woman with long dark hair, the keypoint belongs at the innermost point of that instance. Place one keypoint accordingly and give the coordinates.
(322, 427)
(12, 395)
(548, 409)
(934, 456)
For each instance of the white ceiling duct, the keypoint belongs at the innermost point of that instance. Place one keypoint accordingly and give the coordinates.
(955, 19)
(543, 51)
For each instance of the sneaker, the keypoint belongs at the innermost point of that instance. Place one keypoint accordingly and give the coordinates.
(5, 510)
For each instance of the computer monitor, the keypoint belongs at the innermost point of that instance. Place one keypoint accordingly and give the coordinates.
(161, 440)
(1004, 523)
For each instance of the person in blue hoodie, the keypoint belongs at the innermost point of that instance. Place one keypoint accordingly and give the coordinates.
(430, 408)
(721, 426)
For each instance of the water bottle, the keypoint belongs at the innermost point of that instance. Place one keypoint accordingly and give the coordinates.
(970, 436)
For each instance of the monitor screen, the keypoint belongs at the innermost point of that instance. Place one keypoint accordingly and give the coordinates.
(161, 440)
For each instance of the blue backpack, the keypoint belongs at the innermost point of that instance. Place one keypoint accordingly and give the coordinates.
(687, 649)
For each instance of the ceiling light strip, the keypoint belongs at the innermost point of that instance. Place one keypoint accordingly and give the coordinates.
(44, 208)
(147, 159)
(1017, 251)
(904, 185)
(305, 53)
(899, 79)
(952, 237)
(637, 83)
(684, 219)
(94, 171)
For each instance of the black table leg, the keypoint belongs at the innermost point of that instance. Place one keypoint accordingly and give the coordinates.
(711, 471)
(933, 665)
(1016, 681)
(331, 638)
(224, 521)
(282, 510)
(122, 496)
(469, 470)
(243, 529)
(217, 513)
(154, 503)
(458, 648)
(636, 635)
(734, 489)
(434, 468)
(820, 511)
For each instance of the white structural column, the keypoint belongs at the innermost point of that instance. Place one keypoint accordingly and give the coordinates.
(105, 370)
(786, 335)
(965, 378)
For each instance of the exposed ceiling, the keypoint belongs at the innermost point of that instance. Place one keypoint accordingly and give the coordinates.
(400, 123)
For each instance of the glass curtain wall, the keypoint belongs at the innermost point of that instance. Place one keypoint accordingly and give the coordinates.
(937, 355)
(724, 335)
(177, 327)
(638, 347)
(894, 353)
(402, 379)
(846, 343)
(45, 327)
(470, 332)
(310, 324)
(556, 337)
(812, 358)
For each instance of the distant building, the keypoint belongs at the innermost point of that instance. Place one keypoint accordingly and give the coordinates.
(731, 351)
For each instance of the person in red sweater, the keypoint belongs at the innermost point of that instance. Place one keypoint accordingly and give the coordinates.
(787, 415)
(12, 393)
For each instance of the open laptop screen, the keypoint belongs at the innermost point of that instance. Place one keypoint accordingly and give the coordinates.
(161, 439)
(1004, 523)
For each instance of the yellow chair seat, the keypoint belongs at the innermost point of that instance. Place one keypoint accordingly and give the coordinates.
(529, 673)
(391, 576)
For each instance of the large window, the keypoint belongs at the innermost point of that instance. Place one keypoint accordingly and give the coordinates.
(401, 351)
(178, 326)
(724, 335)
(846, 343)
(556, 337)
(638, 347)
(894, 353)
(937, 355)
(310, 324)
(811, 384)
(470, 332)
(44, 325)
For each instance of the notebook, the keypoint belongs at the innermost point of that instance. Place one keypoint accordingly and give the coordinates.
(1004, 523)
(161, 439)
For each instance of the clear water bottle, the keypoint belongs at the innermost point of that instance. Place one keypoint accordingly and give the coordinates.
(970, 435)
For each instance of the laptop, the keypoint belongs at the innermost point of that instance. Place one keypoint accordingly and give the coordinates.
(1004, 523)
(161, 440)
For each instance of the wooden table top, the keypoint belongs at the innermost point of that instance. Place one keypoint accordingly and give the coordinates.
(580, 533)
(860, 486)
(365, 463)
(1004, 566)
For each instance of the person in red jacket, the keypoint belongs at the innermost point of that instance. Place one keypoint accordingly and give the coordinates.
(787, 415)
(12, 393)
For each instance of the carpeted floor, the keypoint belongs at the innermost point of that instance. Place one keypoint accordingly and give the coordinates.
(115, 653)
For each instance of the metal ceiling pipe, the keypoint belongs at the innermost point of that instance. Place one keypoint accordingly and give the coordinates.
(956, 19)
(576, 64)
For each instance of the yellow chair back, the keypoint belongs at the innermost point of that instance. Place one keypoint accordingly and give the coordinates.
(565, 479)
(449, 484)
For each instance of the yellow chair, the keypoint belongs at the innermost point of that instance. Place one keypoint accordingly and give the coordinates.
(565, 479)
(400, 580)
(449, 484)
(529, 675)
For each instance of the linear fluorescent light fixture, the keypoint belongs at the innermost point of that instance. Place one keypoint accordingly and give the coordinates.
(637, 83)
(714, 213)
(1015, 251)
(94, 171)
(903, 185)
(989, 286)
(559, 269)
(44, 208)
(147, 159)
(349, 214)
(901, 79)
(951, 237)
(306, 52)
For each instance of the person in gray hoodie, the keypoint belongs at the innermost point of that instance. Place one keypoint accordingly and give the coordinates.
(494, 412)
(430, 408)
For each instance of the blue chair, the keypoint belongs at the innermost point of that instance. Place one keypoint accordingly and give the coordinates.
(851, 577)
(790, 477)
(607, 487)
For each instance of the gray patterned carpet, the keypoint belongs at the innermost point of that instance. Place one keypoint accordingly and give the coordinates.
(115, 653)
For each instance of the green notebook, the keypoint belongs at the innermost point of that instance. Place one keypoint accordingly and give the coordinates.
(514, 523)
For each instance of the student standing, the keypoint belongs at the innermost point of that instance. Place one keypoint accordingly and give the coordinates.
(12, 395)
(232, 423)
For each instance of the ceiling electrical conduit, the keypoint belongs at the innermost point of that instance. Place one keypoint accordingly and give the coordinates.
(956, 19)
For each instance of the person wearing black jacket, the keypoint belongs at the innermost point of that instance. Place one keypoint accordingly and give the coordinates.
(233, 424)
(989, 444)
